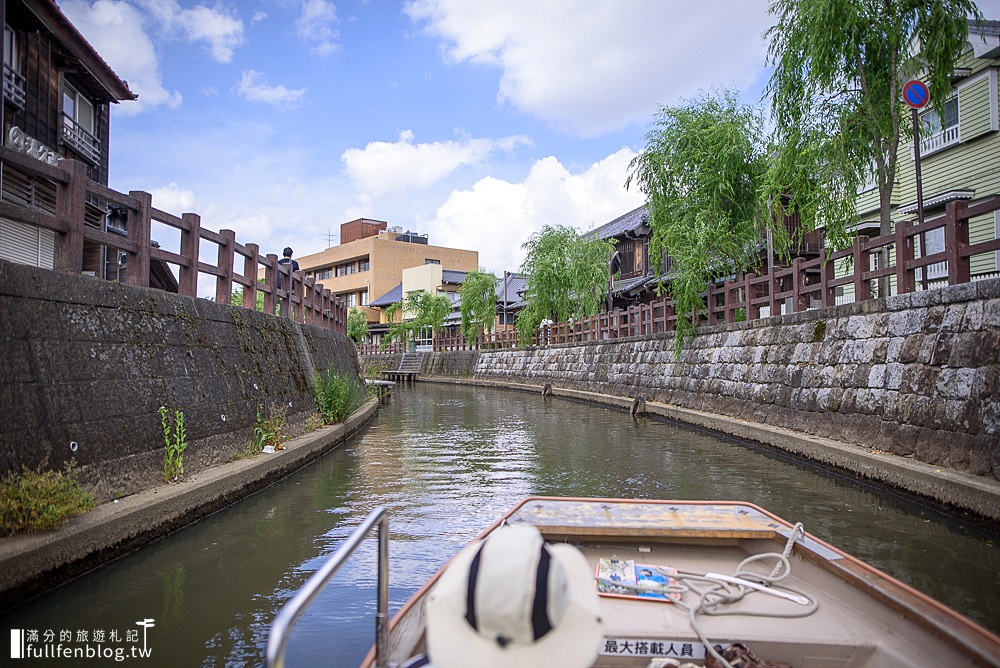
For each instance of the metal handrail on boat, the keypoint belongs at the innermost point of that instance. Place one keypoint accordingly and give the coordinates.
(281, 627)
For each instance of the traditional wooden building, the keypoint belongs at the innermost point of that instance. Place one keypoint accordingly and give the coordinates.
(57, 93)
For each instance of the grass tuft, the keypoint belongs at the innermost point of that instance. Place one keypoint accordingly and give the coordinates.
(40, 500)
(337, 395)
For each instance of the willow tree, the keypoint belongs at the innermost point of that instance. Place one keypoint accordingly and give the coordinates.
(565, 275)
(702, 171)
(357, 324)
(417, 311)
(477, 303)
(839, 69)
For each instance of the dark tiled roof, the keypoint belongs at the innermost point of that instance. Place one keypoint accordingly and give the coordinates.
(630, 283)
(516, 284)
(391, 297)
(453, 277)
(630, 222)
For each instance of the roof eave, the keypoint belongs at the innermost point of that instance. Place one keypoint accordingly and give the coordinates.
(59, 25)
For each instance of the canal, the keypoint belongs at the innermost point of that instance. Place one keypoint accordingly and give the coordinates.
(447, 461)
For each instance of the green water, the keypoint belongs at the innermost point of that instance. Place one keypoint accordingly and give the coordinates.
(447, 461)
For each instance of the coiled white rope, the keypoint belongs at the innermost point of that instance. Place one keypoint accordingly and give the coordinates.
(726, 592)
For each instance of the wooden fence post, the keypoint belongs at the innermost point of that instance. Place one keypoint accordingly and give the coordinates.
(748, 295)
(905, 253)
(139, 229)
(70, 205)
(298, 287)
(800, 302)
(250, 273)
(862, 288)
(327, 304)
(956, 233)
(224, 282)
(827, 274)
(710, 298)
(190, 247)
(270, 280)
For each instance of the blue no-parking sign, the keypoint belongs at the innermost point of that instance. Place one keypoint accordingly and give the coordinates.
(916, 94)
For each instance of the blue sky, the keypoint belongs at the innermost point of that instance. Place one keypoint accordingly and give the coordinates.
(473, 122)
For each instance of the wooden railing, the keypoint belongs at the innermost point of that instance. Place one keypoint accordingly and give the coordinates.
(392, 347)
(803, 285)
(236, 265)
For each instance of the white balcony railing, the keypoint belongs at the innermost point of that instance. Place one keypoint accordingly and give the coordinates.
(81, 141)
(13, 87)
(939, 140)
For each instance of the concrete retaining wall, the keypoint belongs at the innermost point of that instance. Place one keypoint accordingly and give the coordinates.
(916, 375)
(86, 364)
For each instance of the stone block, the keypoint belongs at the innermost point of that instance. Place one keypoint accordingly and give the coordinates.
(906, 323)
(933, 319)
(988, 289)
(980, 454)
(904, 439)
(876, 376)
(962, 292)
(860, 327)
(974, 349)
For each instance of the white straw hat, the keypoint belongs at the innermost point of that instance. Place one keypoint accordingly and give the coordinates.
(512, 600)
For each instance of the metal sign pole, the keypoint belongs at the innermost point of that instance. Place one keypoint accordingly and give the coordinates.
(916, 165)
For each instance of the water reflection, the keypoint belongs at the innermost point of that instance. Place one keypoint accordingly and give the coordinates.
(447, 461)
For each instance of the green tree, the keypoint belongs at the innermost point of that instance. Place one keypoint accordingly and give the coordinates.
(237, 298)
(565, 274)
(357, 324)
(478, 303)
(701, 170)
(418, 311)
(839, 68)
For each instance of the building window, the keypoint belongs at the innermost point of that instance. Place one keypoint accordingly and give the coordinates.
(430, 261)
(324, 273)
(364, 298)
(626, 253)
(346, 268)
(13, 80)
(938, 130)
(78, 125)
(350, 299)
(364, 264)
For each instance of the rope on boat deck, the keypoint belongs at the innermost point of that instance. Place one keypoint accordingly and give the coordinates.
(722, 592)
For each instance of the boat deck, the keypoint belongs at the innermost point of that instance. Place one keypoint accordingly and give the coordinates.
(864, 618)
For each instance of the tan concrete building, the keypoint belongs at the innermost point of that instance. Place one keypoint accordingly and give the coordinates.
(371, 262)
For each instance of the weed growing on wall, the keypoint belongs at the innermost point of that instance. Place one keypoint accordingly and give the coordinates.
(175, 441)
(269, 427)
(337, 395)
(39, 500)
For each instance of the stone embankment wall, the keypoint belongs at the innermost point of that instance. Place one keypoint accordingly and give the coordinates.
(917, 375)
(86, 365)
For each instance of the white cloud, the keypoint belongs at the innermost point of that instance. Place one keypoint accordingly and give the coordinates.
(496, 217)
(316, 26)
(115, 30)
(252, 87)
(222, 30)
(597, 70)
(387, 167)
(173, 199)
